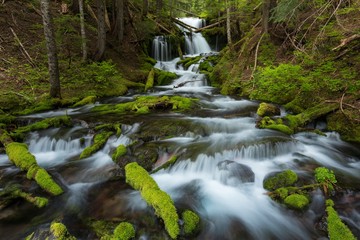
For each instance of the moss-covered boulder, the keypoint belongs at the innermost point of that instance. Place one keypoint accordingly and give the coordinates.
(60, 232)
(124, 231)
(349, 130)
(99, 141)
(337, 230)
(282, 179)
(296, 201)
(191, 222)
(119, 152)
(277, 124)
(164, 77)
(267, 109)
(85, 101)
(162, 203)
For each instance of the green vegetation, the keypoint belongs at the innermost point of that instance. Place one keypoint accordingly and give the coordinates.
(86, 100)
(164, 77)
(187, 62)
(279, 180)
(144, 104)
(124, 231)
(19, 154)
(115, 127)
(119, 152)
(326, 178)
(277, 124)
(150, 80)
(46, 182)
(191, 222)
(296, 201)
(266, 109)
(168, 163)
(336, 228)
(163, 205)
(37, 201)
(99, 141)
(60, 231)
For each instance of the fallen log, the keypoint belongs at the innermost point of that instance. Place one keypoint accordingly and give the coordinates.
(209, 26)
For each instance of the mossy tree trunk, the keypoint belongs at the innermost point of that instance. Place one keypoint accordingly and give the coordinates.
(51, 49)
(83, 33)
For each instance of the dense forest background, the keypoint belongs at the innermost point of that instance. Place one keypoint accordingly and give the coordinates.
(300, 54)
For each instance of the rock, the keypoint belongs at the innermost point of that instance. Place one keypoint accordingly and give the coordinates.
(267, 109)
(231, 171)
(296, 201)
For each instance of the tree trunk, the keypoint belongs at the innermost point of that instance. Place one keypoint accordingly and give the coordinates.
(101, 40)
(268, 5)
(83, 33)
(145, 8)
(51, 49)
(159, 6)
(228, 24)
(75, 8)
(119, 24)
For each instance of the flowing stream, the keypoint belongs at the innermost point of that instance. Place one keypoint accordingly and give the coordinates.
(223, 159)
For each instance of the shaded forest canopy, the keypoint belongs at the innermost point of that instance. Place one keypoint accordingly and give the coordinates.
(296, 53)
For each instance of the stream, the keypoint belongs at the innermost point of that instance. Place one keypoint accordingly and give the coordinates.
(223, 159)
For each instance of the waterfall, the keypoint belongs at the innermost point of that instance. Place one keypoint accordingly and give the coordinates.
(161, 48)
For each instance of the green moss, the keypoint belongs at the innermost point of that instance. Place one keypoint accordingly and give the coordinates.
(37, 201)
(296, 201)
(119, 152)
(282, 192)
(163, 205)
(138, 177)
(86, 100)
(282, 179)
(266, 109)
(150, 80)
(268, 123)
(187, 62)
(60, 231)
(115, 127)
(99, 141)
(46, 182)
(32, 171)
(191, 222)
(336, 228)
(349, 130)
(124, 231)
(6, 119)
(102, 229)
(164, 77)
(168, 163)
(182, 103)
(19, 154)
(326, 178)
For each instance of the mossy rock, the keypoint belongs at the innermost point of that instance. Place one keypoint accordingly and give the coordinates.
(119, 152)
(6, 119)
(110, 127)
(187, 62)
(267, 109)
(282, 192)
(191, 222)
(268, 123)
(124, 231)
(296, 201)
(85, 101)
(60, 232)
(279, 180)
(349, 130)
(164, 77)
(99, 141)
(337, 230)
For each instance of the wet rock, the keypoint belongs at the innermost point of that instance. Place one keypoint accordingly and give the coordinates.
(278, 180)
(231, 170)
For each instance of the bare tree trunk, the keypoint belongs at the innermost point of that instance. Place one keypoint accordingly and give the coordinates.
(82, 29)
(228, 24)
(101, 41)
(119, 24)
(75, 8)
(51, 49)
(268, 5)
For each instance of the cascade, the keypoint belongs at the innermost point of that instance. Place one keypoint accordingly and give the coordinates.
(161, 48)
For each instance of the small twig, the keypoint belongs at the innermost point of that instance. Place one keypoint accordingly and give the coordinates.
(346, 41)
(256, 57)
(341, 105)
(27, 55)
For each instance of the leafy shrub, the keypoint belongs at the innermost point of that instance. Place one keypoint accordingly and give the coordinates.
(326, 178)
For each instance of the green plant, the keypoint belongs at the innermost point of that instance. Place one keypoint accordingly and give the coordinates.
(191, 222)
(282, 179)
(326, 178)
(124, 231)
(296, 201)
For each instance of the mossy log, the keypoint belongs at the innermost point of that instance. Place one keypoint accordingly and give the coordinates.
(162, 203)
(19, 155)
(59, 231)
(99, 141)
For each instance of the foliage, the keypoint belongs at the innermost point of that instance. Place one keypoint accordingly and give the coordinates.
(296, 201)
(164, 77)
(266, 109)
(85, 101)
(326, 178)
(191, 222)
(340, 122)
(163, 205)
(124, 231)
(268, 123)
(337, 230)
(284, 10)
(282, 179)
(150, 80)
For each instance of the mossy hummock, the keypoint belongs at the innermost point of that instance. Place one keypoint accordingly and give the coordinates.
(267, 109)
(60, 232)
(191, 222)
(124, 231)
(279, 180)
(296, 201)
(162, 203)
(119, 152)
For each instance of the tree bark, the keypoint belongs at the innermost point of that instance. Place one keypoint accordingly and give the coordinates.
(159, 6)
(228, 24)
(119, 24)
(268, 5)
(145, 8)
(82, 29)
(101, 40)
(51, 49)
